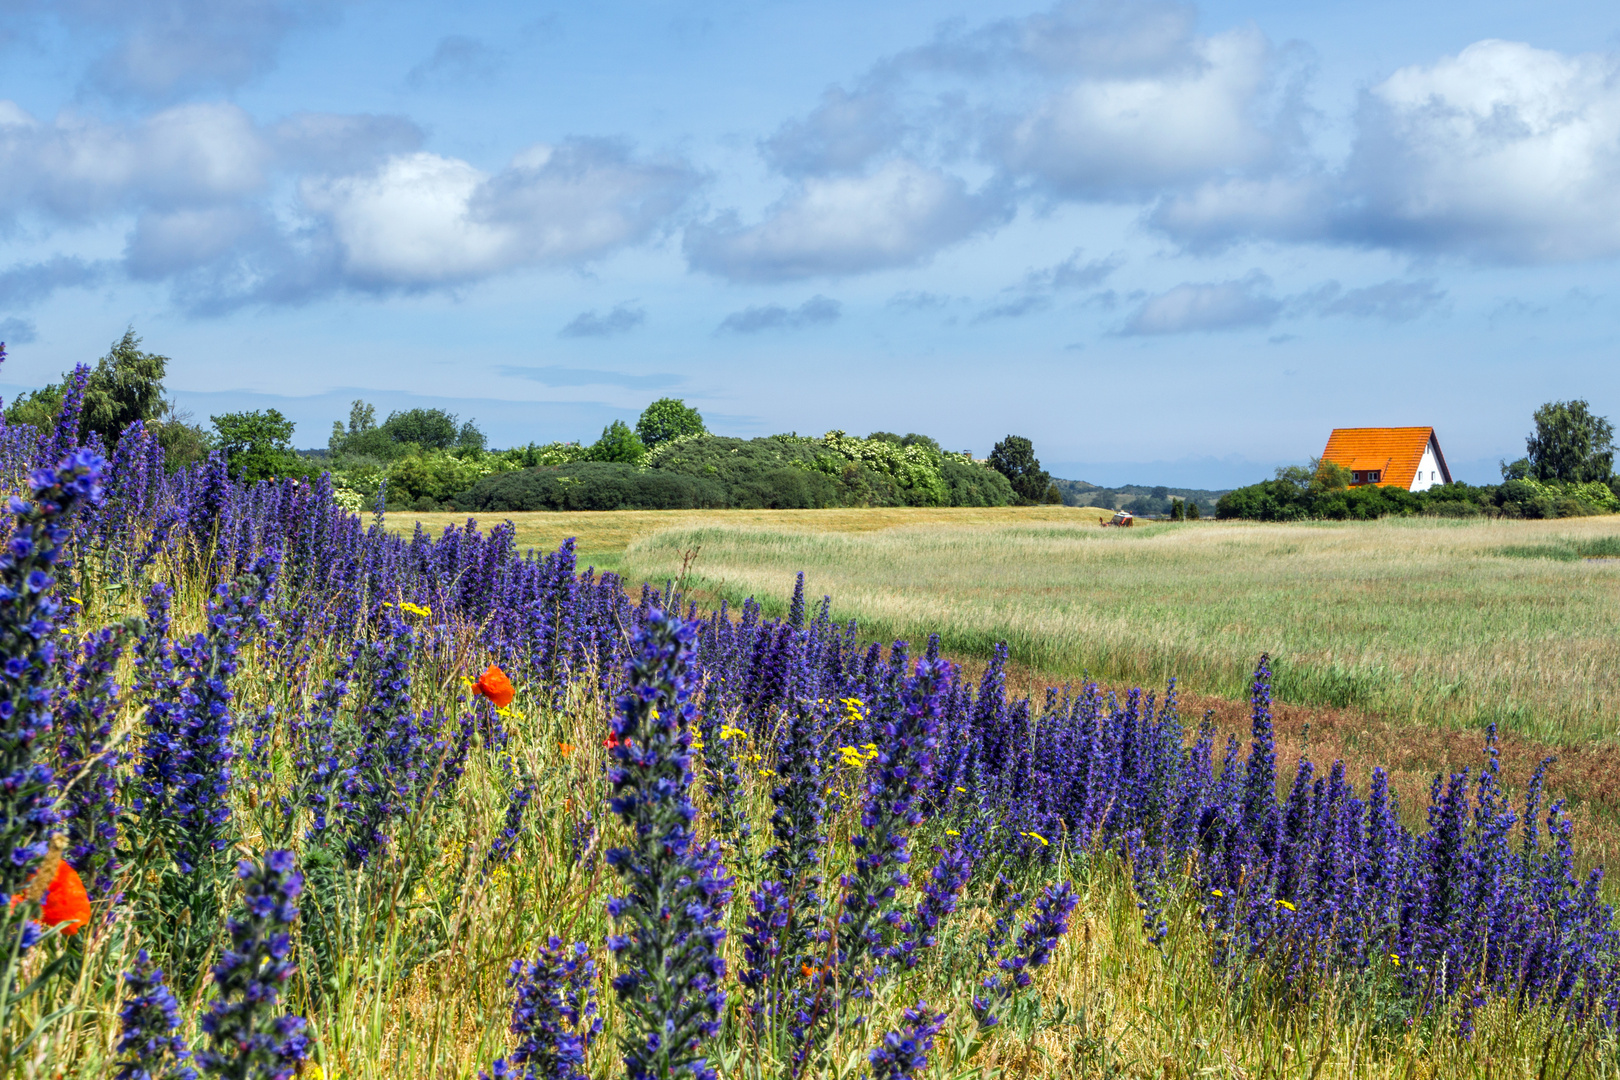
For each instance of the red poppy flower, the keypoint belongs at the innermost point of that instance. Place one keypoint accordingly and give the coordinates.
(65, 901)
(494, 685)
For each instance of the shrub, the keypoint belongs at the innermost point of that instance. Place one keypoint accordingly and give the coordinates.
(1269, 500)
(591, 485)
(618, 443)
(973, 484)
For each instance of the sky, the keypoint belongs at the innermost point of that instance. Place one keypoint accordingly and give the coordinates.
(1168, 243)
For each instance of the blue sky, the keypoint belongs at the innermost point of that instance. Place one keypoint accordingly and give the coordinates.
(1169, 243)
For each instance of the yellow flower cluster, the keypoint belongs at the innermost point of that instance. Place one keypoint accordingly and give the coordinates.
(414, 609)
(856, 758)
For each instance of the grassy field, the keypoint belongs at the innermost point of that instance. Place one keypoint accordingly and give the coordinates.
(1428, 622)
(603, 537)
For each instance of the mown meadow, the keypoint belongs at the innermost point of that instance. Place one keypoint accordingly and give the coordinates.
(289, 794)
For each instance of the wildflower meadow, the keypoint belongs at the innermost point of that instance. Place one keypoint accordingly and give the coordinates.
(289, 795)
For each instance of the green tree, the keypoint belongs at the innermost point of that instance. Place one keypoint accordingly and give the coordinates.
(1014, 458)
(469, 438)
(666, 419)
(184, 442)
(258, 445)
(37, 407)
(431, 429)
(126, 385)
(362, 420)
(618, 443)
(1570, 443)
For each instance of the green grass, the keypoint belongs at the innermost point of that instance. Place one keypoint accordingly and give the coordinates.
(1425, 621)
(1566, 550)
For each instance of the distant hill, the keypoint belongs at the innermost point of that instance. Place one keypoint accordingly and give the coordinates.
(1137, 498)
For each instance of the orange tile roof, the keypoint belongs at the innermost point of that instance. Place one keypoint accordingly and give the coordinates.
(1393, 451)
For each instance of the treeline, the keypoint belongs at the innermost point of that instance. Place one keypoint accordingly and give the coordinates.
(1567, 471)
(703, 471)
(1140, 499)
(1292, 499)
(430, 459)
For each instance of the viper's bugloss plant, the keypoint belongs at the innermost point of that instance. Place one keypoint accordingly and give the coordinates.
(669, 919)
(29, 612)
(869, 937)
(787, 904)
(1036, 943)
(149, 1044)
(503, 846)
(553, 1015)
(90, 760)
(945, 883)
(190, 772)
(907, 739)
(904, 1053)
(248, 1035)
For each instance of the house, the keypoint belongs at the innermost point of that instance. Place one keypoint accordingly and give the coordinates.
(1407, 457)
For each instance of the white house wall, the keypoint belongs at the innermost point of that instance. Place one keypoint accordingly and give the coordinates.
(1428, 470)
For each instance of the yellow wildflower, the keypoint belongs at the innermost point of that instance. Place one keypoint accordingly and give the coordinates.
(1286, 904)
(1217, 892)
(952, 832)
(1036, 836)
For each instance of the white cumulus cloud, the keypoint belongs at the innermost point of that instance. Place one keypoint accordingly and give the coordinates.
(1138, 133)
(423, 219)
(898, 215)
(1504, 151)
(77, 168)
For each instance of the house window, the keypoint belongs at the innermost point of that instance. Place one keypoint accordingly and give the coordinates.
(1357, 477)
(1372, 477)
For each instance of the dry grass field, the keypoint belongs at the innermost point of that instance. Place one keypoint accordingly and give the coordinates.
(1430, 622)
(602, 537)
